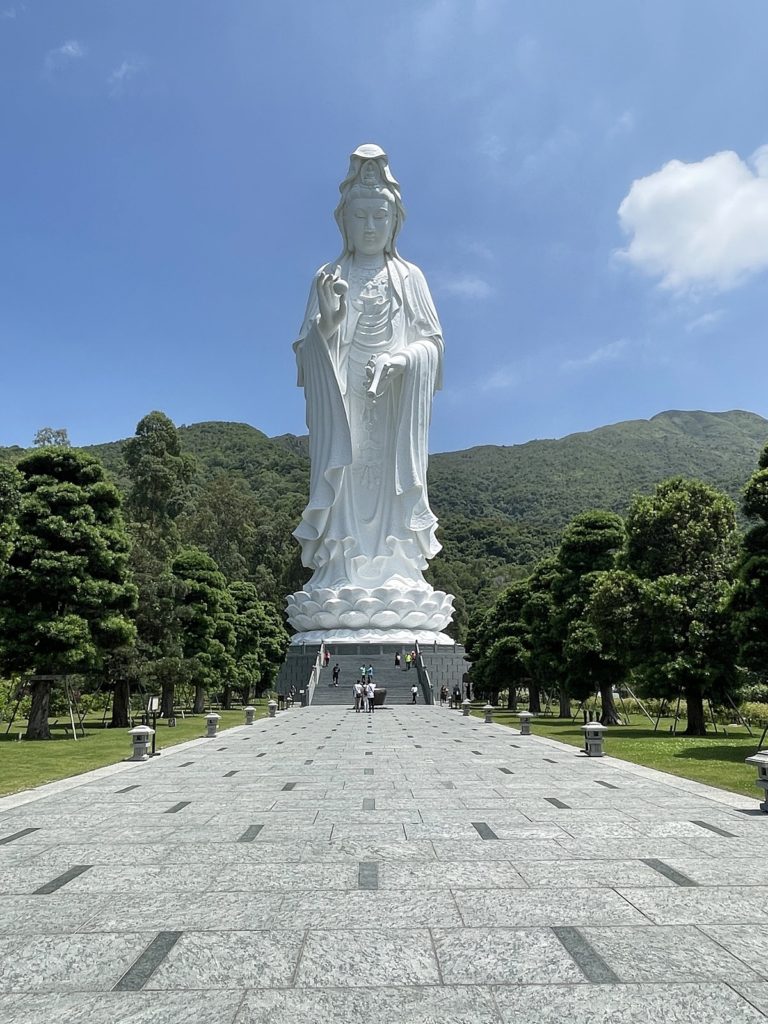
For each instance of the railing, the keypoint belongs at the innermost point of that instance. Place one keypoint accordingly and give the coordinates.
(314, 676)
(424, 680)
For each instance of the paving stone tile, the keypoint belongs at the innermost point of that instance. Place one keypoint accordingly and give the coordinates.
(333, 959)
(210, 911)
(69, 962)
(227, 960)
(755, 992)
(589, 874)
(531, 907)
(440, 875)
(503, 956)
(718, 905)
(625, 1004)
(380, 909)
(428, 1005)
(355, 849)
(512, 850)
(662, 953)
(61, 912)
(747, 942)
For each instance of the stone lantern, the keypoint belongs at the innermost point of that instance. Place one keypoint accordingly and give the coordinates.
(272, 708)
(142, 737)
(525, 722)
(488, 709)
(593, 738)
(761, 761)
(212, 724)
(466, 704)
(250, 711)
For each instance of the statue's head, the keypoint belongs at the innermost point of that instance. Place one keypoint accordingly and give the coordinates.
(370, 212)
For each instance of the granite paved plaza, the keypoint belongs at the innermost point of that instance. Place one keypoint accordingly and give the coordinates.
(412, 867)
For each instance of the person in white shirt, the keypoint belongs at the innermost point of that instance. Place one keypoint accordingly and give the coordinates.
(358, 689)
(369, 692)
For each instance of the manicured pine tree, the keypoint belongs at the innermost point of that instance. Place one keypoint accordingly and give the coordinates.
(66, 597)
(749, 602)
(664, 611)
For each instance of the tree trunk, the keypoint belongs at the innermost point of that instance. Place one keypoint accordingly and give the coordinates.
(226, 701)
(199, 706)
(245, 695)
(565, 703)
(121, 705)
(167, 699)
(38, 729)
(609, 715)
(534, 698)
(512, 698)
(697, 723)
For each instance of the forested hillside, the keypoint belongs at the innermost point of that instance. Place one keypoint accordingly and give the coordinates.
(500, 508)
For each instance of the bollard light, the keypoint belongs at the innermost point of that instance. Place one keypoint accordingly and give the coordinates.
(761, 761)
(593, 738)
(250, 712)
(488, 709)
(272, 708)
(141, 737)
(525, 722)
(466, 704)
(212, 724)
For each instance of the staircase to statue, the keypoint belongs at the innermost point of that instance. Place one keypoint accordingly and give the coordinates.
(441, 666)
(397, 681)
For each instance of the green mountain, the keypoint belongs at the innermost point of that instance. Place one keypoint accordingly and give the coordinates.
(500, 508)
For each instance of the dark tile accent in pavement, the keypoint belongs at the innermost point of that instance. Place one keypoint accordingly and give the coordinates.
(557, 803)
(664, 869)
(224, 748)
(137, 976)
(368, 875)
(228, 775)
(309, 761)
(369, 803)
(506, 771)
(18, 835)
(178, 807)
(127, 789)
(715, 829)
(477, 752)
(289, 786)
(250, 834)
(367, 771)
(262, 754)
(60, 880)
(586, 958)
(417, 746)
(369, 753)
(186, 764)
(448, 785)
(607, 785)
(549, 759)
(484, 830)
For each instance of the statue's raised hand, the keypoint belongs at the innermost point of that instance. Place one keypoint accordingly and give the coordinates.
(332, 301)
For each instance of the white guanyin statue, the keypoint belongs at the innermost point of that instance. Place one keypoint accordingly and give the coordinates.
(370, 355)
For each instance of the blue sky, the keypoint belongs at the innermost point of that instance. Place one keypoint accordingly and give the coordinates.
(586, 189)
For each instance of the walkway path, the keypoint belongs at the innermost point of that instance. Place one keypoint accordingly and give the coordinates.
(415, 867)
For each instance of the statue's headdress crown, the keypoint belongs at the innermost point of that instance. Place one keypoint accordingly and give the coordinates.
(369, 176)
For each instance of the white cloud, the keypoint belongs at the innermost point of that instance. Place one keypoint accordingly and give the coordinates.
(464, 286)
(120, 77)
(700, 224)
(503, 379)
(63, 55)
(609, 353)
(624, 124)
(8, 14)
(704, 322)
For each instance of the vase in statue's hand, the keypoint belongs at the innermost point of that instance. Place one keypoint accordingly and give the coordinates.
(332, 302)
(379, 370)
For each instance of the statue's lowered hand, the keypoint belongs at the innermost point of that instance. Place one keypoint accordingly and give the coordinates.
(378, 371)
(332, 301)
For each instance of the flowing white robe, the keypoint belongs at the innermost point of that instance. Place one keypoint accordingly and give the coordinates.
(368, 519)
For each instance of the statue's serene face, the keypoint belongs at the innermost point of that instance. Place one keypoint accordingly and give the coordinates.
(368, 223)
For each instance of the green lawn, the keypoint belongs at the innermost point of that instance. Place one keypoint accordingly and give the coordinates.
(26, 764)
(716, 760)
